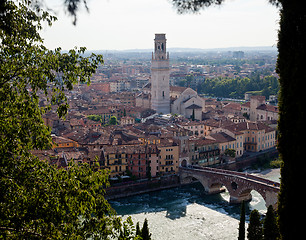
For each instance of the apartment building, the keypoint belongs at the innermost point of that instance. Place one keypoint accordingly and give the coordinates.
(203, 151)
(168, 157)
(250, 136)
(115, 159)
(143, 160)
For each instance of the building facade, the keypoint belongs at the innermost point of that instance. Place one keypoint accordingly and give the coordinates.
(203, 152)
(168, 158)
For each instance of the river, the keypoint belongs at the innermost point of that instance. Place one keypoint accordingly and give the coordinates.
(187, 213)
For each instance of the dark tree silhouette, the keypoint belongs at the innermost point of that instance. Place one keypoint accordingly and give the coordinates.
(255, 226)
(241, 234)
(270, 228)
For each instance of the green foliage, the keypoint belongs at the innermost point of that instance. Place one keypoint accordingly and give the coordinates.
(255, 227)
(196, 5)
(270, 228)
(113, 120)
(247, 116)
(230, 152)
(241, 234)
(193, 5)
(96, 118)
(38, 201)
(237, 87)
(277, 163)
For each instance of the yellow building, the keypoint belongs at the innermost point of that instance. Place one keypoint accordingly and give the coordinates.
(253, 136)
(224, 141)
(114, 158)
(168, 157)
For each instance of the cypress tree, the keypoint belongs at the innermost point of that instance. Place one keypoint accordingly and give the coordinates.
(292, 118)
(138, 232)
(145, 233)
(241, 229)
(255, 227)
(270, 228)
(193, 115)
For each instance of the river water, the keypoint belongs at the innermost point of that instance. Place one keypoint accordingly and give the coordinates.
(187, 213)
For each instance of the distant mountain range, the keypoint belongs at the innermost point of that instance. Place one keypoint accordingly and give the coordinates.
(246, 49)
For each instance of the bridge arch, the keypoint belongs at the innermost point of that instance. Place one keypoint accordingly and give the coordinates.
(190, 179)
(239, 185)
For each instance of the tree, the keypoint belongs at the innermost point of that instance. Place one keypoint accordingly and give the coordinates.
(145, 233)
(290, 67)
(270, 228)
(192, 115)
(241, 235)
(230, 152)
(39, 201)
(138, 232)
(96, 118)
(113, 120)
(255, 227)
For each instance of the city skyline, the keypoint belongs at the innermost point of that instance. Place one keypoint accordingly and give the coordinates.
(122, 25)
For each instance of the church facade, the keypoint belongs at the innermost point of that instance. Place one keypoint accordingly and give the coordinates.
(186, 102)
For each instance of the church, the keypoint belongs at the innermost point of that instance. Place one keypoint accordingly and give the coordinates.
(163, 98)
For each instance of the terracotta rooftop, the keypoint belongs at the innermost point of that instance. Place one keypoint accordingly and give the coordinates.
(222, 137)
(267, 107)
(177, 89)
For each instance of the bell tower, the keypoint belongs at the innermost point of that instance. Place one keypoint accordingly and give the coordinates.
(160, 74)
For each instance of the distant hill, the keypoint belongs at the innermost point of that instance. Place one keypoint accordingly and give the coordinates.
(246, 49)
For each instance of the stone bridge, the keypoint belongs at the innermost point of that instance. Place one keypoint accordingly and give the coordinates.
(239, 185)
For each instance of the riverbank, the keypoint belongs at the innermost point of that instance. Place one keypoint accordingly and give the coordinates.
(271, 174)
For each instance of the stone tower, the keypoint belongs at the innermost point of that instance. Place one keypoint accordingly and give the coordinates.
(160, 74)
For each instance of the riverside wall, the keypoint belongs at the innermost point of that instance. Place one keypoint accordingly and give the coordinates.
(245, 162)
(140, 187)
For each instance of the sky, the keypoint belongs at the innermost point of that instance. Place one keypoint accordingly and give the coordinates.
(131, 24)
